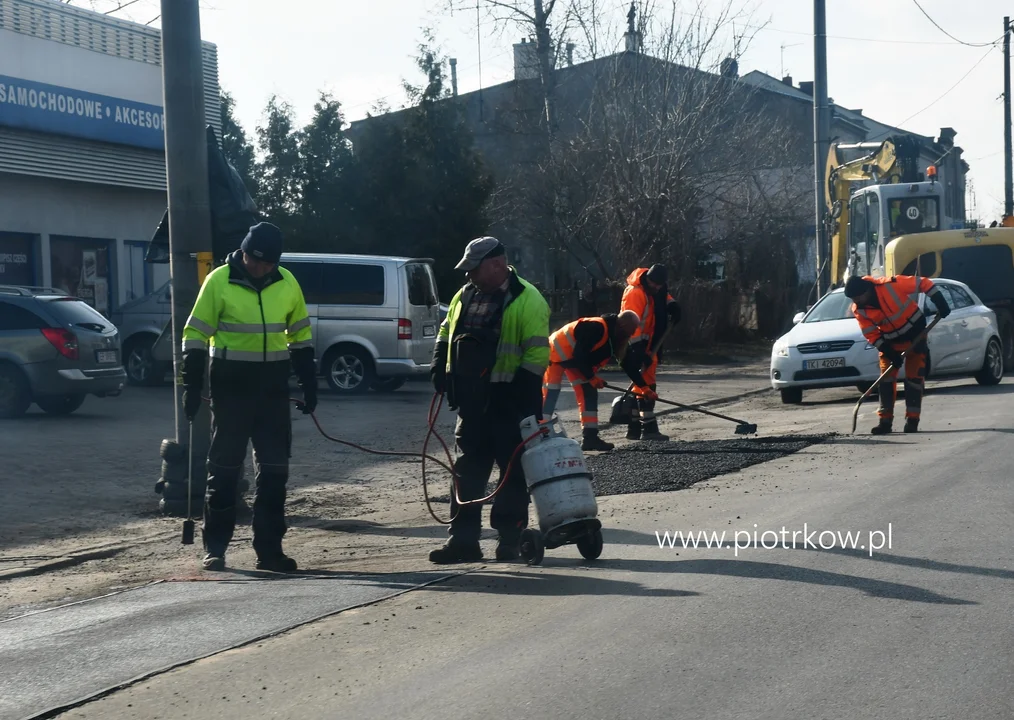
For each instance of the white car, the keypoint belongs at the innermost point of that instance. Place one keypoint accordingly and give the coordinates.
(826, 348)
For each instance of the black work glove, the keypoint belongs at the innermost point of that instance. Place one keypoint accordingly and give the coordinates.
(942, 307)
(438, 368)
(192, 375)
(892, 355)
(306, 370)
(673, 308)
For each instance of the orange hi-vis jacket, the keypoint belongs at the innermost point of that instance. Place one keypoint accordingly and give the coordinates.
(636, 298)
(585, 349)
(898, 315)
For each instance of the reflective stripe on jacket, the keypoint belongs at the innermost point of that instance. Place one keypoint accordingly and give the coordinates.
(234, 321)
(574, 346)
(898, 313)
(524, 330)
(636, 298)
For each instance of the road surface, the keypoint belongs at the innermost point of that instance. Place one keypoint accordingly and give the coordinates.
(916, 622)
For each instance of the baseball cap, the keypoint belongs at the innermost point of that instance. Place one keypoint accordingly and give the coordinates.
(478, 250)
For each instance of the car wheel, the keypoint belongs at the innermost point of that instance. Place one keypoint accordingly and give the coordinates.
(387, 385)
(15, 396)
(992, 365)
(349, 370)
(792, 396)
(142, 368)
(60, 404)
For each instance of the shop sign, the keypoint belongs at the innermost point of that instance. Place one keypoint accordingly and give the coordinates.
(62, 111)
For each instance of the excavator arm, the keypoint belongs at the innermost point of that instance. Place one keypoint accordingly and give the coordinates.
(891, 161)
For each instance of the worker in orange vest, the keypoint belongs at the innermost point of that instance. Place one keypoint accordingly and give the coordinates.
(890, 317)
(648, 296)
(579, 350)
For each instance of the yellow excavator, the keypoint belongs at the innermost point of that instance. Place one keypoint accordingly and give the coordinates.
(897, 226)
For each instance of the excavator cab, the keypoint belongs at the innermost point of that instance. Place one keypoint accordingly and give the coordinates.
(880, 213)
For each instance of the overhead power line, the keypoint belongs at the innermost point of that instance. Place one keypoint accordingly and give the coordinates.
(937, 25)
(945, 94)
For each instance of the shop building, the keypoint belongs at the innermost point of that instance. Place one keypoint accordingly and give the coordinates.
(82, 150)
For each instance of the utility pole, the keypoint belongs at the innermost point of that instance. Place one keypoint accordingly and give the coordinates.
(186, 154)
(1008, 164)
(821, 140)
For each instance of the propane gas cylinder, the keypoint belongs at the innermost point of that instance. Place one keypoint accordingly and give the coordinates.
(558, 479)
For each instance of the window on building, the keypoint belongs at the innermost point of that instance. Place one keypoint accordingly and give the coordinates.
(348, 284)
(139, 273)
(81, 267)
(17, 252)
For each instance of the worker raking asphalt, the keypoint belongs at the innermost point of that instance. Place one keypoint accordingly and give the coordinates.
(680, 464)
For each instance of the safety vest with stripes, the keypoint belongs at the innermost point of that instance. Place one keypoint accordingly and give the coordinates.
(235, 321)
(898, 313)
(636, 298)
(563, 344)
(524, 330)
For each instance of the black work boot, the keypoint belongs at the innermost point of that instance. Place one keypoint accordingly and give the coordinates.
(634, 429)
(508, 547)
(456, 551)
(277, 562)
(214, 561)
(883, 428)
(911, 425)
(651, 432)
(592, 441)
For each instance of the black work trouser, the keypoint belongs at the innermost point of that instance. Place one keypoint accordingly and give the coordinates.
(482, 441)
(265, 420)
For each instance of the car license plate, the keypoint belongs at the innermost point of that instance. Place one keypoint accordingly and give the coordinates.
(105, 357)
(824, 363)
(429, 331)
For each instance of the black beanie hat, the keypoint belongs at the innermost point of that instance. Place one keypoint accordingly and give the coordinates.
(856, 286)
(658, 274)
(264, 242)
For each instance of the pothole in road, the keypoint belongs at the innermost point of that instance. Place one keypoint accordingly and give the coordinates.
(675, 465)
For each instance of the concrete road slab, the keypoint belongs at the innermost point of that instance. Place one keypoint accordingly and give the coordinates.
(56, 658)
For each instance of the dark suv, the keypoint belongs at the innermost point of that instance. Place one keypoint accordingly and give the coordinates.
(55, 350)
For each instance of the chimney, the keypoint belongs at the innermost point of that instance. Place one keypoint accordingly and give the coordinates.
(946, 138)
(806, 87)
(570, 54)
(787, 80)
(526, 60)
(454, 77)
(730, 68)
(632, 36)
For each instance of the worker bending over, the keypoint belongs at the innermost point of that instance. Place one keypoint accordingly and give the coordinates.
(888, 312)
(490, 355)
(579, 350)
(647, 295)
(250, 316)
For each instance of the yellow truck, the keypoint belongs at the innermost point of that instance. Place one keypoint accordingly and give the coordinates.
(896, 226)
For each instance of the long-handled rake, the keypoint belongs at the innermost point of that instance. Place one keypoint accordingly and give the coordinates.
(919, 339)
(742, 426)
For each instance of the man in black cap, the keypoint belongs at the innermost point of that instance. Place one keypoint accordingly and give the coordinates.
(647, 295)
(251, 318)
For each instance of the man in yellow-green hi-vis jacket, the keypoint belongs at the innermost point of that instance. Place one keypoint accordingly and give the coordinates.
(251, 319)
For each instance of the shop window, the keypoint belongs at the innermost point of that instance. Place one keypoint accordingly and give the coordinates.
(139, 273)
(81, 267)
(17, 254)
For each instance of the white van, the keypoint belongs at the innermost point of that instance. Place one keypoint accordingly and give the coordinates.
(374, 318)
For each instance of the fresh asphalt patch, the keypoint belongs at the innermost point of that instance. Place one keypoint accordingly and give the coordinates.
(675, 465)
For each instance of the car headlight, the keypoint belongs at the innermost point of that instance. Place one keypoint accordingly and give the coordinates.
(781, 349)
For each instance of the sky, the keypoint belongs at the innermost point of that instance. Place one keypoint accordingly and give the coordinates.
(885, 57)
